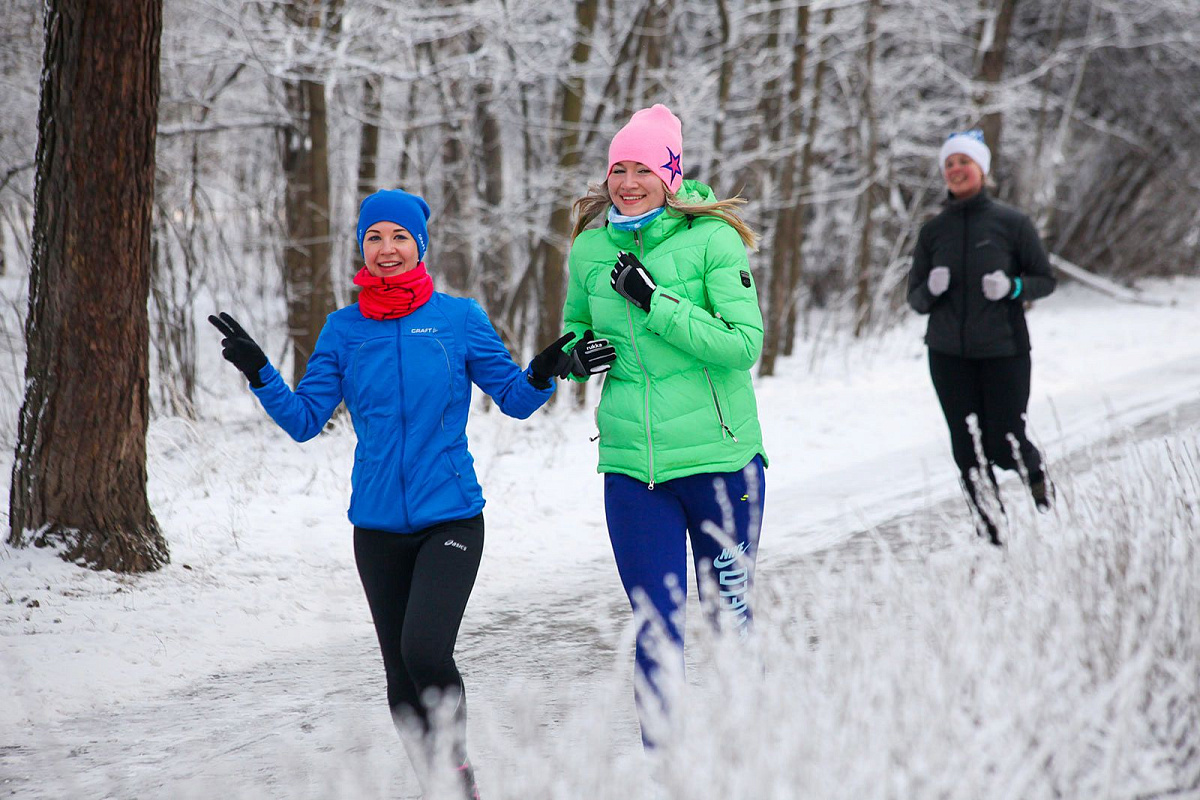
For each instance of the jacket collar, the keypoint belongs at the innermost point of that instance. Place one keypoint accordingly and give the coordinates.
(973, 203)
(650, 236)
(667, 223)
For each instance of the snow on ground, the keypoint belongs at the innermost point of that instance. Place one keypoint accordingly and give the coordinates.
(262, 573)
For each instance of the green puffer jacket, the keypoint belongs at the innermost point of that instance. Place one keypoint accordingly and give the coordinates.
(678, 400)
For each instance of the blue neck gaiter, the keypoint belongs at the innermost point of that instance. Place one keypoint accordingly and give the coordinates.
(624, 223)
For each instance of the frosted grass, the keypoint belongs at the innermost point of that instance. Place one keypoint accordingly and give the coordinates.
(1065, 665)
(926, 665)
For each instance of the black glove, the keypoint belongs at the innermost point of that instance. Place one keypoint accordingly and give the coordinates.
(590, 357)
(632, 281)
(550, 362)
(239, 349)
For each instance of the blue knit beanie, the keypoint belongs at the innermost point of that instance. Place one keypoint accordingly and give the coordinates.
(409, 211)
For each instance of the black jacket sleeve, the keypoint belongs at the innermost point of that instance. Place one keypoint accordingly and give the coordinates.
(1037, 277)
(919, 296)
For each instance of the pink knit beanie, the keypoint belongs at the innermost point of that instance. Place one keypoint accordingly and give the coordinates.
(654, 137)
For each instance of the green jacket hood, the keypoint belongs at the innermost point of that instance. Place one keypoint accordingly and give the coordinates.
(696, 192)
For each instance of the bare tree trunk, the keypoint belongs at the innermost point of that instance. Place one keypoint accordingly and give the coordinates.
(619, 88)
(724, 84)
(521, 295)
(409, 172)
(754, 178)
(366, 181)
(866, 209)
(553, 248)
(1030, 176)
(658, 20)
(79, 475)
(454, 246)
(770, 103)
(635, 50)
(368, 143)
(1050, 173)
(454, 249)
(781, 289)
(801, 215)
(306, 216)
(495, 259)
(551, 253)
(307, 251)
(994, 46)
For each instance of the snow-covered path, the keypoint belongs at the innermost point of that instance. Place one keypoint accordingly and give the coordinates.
(296, 726)
(249, 667)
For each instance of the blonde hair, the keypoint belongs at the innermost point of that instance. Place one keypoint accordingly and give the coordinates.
(597, 201)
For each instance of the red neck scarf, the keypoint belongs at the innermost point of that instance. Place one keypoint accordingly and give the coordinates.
(393, 296)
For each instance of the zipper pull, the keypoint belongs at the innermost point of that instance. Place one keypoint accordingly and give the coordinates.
(725, 428)
(650, 486)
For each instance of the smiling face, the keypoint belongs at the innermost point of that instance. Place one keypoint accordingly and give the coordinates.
(389, 250)
(635, 189)
(963, 176)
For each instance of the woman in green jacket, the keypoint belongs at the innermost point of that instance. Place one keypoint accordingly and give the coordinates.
(666, 281)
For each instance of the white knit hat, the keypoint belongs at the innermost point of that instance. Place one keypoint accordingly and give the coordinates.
(970, 144)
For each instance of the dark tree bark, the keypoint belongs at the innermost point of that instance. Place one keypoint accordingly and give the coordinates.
(991, 68)
(656, 51)
(869, 197)
(1030, 182)
(551, 253)
(453, 250)
(788, 230)
(306, 255)
(368, 144)
(368, 156)
(724, 84)
(553, 249)
(495, 260)
(79, 477)
(796, 266)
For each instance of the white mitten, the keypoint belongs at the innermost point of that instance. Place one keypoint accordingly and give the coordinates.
(996, 285)
(939, 281)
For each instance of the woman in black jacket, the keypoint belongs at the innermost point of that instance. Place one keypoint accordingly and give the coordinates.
(975, 265)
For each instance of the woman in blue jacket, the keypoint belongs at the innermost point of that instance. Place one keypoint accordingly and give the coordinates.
(403, 359)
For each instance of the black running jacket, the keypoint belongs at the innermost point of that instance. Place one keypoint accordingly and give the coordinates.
(974, 237)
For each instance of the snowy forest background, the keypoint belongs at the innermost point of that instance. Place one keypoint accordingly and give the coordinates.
(276, 118)
(896, 656)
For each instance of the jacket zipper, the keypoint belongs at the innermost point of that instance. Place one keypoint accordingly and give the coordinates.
(716, 402)
(962, 320)
(403, 421)
(637, 237)
(450, 374)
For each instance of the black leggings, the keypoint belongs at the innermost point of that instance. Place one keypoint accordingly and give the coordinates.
(417, 586)
(996, 391)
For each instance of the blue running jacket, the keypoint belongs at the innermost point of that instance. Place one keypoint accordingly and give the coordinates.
(407, 384)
